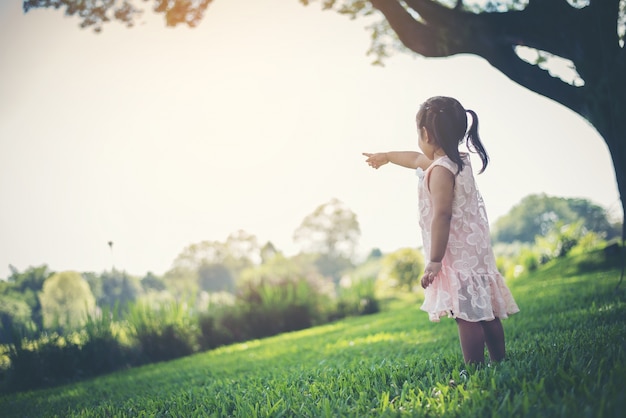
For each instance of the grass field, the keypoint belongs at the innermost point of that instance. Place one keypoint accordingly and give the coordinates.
(566, 358)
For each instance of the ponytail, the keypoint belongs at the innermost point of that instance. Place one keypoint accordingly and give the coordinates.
(445, 119)
(473, 141)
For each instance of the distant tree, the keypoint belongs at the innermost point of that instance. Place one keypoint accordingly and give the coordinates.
(95, 284)
(333, 266)
(182, 279)
(113, 289)
(66, 299)
(375, 253)
(405, 266)
(151, 282)
(15, 314)
(118, 289)
(332, 229)
(332, 232)
(538, 214)
(215, 278)
(280, 270)
(30, 279)
(239, 251)
(242, 251)
(28, 284)
(268, 251)
(213, 264)
(595, 218)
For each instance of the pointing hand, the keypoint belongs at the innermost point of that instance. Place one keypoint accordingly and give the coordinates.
(376, 160)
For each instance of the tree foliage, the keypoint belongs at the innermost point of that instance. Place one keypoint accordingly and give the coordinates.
(214, 265)
(331, 232)
(152, 283)
(239, 251)
(537, 215)
(281, 271)
(331, 229)
(95, 13)
(66, 300)
(15, 314)
(28, 284)
(114, 288)
(215, 278)
(405, 266)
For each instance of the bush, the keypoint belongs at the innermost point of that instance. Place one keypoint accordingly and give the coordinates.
(102, 348)
(52, 359)
(263, 307)
(269, 308)
(358, 298)
(162, 333)
(213, 332)
(529, 260)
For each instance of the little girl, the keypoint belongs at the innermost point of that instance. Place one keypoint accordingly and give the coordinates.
(461, 280)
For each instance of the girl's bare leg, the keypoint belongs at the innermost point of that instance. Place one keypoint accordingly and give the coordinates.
(472, 337)
(494, 338)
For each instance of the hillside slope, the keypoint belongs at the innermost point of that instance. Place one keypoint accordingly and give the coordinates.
(566, 358)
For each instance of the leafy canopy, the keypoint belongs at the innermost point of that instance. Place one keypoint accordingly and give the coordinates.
(536, 215)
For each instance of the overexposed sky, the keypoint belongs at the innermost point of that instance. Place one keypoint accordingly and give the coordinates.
(155, 138)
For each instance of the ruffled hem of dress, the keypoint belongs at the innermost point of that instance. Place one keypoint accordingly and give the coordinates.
(436, 316)
(440, 303)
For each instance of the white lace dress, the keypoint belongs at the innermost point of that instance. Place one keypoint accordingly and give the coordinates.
(469, 285)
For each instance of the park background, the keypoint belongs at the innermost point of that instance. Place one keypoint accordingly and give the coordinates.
(156, 138)
(139, 167)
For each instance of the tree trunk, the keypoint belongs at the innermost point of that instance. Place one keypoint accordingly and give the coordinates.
(608, 118)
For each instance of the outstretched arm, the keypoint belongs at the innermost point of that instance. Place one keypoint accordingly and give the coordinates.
(408, 159)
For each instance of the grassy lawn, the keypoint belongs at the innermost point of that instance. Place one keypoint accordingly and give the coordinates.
(566, 358)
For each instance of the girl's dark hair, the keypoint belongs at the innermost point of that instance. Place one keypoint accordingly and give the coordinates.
(445, 119)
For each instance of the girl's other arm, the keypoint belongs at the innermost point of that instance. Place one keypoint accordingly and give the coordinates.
(408, 159)
(441, 184)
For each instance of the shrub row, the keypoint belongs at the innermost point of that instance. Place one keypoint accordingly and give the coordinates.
(171, 330)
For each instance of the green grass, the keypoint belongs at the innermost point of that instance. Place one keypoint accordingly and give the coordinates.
(566, 358)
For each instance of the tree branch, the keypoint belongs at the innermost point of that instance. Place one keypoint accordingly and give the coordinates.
(492, 36)
(548, 26)
(538, 80)
(436, 13)
(420, 37)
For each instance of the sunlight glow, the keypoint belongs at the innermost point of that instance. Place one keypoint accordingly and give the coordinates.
(579, 4)
(555, 65)
(395, 337)
(155, 138)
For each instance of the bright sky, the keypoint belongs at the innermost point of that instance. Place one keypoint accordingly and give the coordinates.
(155, 138)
